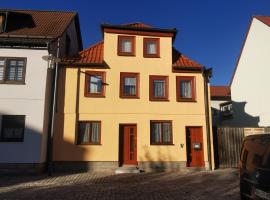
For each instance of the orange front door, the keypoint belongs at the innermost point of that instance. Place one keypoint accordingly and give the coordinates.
(195, 155)
(130, 144)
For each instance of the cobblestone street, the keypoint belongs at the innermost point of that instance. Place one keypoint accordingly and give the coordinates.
(219, 184)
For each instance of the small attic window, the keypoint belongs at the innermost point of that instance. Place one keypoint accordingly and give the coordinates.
(2, 23)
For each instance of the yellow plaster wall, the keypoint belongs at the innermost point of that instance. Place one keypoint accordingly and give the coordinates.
(113, 110)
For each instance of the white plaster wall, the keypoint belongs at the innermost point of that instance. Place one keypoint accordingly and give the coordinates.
(252, 78)
(27, 99)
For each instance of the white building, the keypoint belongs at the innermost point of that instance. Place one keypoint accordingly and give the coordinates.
(249, 105)
(26, 83)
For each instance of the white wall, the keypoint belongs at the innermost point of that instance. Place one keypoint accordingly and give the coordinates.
(26, 100)
(251, 81)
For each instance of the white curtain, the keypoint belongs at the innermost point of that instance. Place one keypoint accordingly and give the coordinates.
(126, 46)
(130, 86)
(151, 48)
(2, 63)
(15, 70)
(156, 132)
(85, 132)
(159, 88)
(95, 132)
(166, 132)
(186, 91)
(95, 84)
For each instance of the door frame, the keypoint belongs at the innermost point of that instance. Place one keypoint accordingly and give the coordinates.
(189, 145)
(121, 142)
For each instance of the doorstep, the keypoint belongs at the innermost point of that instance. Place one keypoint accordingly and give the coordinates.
(128, 169)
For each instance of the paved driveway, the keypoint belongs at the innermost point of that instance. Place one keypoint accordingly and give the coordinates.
(220, 184)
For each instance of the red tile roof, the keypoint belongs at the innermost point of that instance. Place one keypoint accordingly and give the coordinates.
(138, 25)
(220, 91)
(33, 23)
(91, 55)
(264, 19)
(179, 60)
(94, 55)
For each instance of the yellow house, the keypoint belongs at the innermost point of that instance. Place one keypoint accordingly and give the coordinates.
(132, 99)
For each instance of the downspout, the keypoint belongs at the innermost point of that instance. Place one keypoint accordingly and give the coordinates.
(207, 74)
(50, 140)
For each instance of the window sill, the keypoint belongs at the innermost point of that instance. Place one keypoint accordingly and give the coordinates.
(187, 100)
(151, 56)
(126, 54)
(167, 100)
(95, 144)
(12, 83)
(94, 96)
(129, 97)
(162, 144)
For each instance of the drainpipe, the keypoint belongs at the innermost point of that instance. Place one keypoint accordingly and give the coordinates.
(50, 140)
(207, 74)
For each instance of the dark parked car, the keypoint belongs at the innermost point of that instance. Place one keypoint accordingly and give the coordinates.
(255, 167)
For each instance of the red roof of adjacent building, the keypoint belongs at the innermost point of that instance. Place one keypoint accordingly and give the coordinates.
(264, 19)
(36, 23)
(220, 91)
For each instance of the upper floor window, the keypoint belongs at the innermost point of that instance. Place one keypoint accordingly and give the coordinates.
(151, 47)
(94, 84)
(12, 70)
(158, 86)
(129, 85)
(126, 45)
(89, 132)
(12, 128)
(185, 86)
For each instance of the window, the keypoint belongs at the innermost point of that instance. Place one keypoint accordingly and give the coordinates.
(94, 84)
(161, 132)
(185, 86)
(89, 132)
(226, 109)
(12, 128)
(12, 70)
(126, 46)
(129, 85)
(151, 47)
(158, 86)
(2, 23)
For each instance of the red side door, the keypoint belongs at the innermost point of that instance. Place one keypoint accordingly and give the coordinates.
(195, 154)
(130, 145)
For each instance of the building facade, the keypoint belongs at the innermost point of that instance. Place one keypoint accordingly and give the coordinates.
(132, 99)
(26, 82)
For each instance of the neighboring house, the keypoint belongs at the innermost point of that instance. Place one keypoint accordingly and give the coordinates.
(220, 97)
(26, 82)
(249, 106)
(251, 74)
(132, 99)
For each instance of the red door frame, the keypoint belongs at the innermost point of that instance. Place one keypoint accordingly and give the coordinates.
(128, 148)
(195, 146)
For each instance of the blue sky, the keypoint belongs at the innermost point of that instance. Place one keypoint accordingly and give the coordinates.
(210, 31)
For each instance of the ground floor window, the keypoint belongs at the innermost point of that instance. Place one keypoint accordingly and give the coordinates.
(12, 128)
(89, 132)
(161, 132)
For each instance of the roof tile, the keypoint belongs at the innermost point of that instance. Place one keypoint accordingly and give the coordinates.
(36, 23)
(264, 19)
(220, 91)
